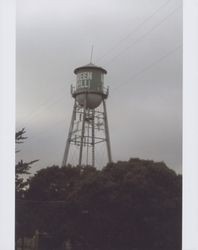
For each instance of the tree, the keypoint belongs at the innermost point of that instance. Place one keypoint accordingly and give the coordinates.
(133, 204)
(22, 168)
(19, 136)
(21, 183)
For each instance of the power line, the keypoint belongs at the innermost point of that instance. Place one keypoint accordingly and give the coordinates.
(144, 35)
(35, 111)
(147, 68)
(134, 30)
(37, 201)
(44, 107)
(57, 204)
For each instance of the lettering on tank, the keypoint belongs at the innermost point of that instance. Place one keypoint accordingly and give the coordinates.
(84, 79)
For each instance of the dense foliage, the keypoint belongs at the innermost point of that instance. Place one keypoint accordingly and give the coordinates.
(22, 168)
(125, 206)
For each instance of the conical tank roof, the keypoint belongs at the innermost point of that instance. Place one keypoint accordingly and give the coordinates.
(90, 66)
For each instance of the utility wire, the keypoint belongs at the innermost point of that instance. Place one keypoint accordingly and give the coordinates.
(44, 107)
(51, 204)
(44, 103)
(36, 201)
(146, 68)
(144, 35)
(134, 30)
(57, 204)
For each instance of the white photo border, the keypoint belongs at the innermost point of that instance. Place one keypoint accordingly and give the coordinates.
(190, 124)
(7, 124)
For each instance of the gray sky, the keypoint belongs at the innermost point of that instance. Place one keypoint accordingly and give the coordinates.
(137, 42)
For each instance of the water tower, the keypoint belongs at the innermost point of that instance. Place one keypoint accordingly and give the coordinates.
(89, 124)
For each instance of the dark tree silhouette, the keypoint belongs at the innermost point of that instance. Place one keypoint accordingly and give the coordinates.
(22, 168)
(127, 205)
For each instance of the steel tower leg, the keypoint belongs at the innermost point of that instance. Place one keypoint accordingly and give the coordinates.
(87, 159)
(93, 138)
(107, 132)
(65, 157)
(82, 133)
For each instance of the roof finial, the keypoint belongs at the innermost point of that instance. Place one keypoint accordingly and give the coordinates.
(91, 53)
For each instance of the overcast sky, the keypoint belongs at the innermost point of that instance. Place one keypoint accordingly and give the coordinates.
(138, 42)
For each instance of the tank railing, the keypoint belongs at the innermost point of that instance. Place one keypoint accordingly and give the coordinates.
(103, 90)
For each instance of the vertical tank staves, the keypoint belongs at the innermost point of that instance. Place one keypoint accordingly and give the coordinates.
(89, 114)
